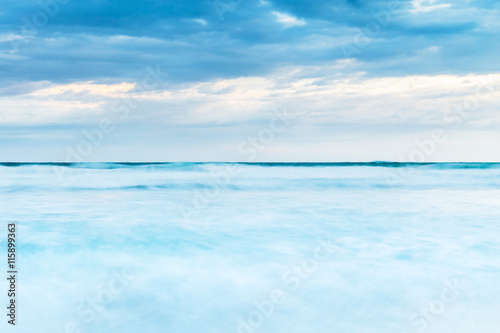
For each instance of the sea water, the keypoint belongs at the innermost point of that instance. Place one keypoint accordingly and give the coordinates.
(264, 247)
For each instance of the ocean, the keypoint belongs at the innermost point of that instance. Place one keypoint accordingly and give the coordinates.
(254, 247)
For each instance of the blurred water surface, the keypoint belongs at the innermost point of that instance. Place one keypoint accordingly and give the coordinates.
(199, 247)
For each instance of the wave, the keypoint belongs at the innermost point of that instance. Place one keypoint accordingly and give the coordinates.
(242, 177)
(193, 165)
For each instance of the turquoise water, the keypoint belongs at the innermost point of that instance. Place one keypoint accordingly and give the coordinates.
(290, 247)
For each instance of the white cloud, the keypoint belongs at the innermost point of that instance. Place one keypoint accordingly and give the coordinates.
(9, 37)
(200, 21)
(427, 6)
(69, 103)
(114, 90)
(288, 20)
(329, 97)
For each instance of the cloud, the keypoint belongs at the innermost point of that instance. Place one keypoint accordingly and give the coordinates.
(428, 5)
(195, 44)
(287, 20)
(89, 88)
(328, 97)
(7, 37)
(231, 71)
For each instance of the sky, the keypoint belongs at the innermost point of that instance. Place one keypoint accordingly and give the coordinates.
(249, 80)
